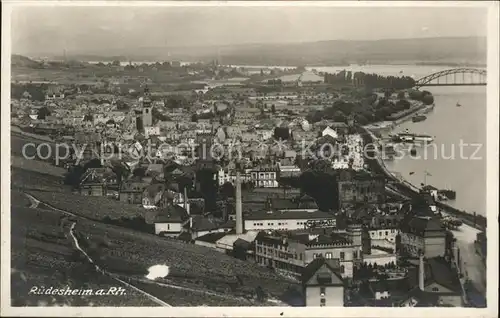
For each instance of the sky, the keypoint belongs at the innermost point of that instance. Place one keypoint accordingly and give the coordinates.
(93, 29)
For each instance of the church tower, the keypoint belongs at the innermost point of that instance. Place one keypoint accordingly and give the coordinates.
(147, 110)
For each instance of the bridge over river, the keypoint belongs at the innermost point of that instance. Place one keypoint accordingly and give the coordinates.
(454, 77)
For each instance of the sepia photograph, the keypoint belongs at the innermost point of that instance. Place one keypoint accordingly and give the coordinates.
(249, 158)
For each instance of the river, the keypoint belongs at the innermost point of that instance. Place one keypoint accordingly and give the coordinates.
(447, 168)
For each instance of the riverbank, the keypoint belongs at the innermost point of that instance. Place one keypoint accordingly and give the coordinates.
(388, 125)
(476, 221)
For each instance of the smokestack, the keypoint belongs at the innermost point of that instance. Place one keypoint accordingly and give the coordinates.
(239, 216)
(186, 207)
(421, 274)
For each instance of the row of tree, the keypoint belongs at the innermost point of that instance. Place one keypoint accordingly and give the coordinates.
(369, 80)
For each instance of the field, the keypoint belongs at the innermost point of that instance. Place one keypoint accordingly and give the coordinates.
(94, 74)
(95, 208)
(42, 255)
(200, 268)
(20, 162)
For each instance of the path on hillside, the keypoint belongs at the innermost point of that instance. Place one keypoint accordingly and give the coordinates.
(77, 245)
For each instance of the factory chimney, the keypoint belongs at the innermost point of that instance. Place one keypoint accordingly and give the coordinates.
(239, 216)
(421, 269)
(187, 208)
(186, 205)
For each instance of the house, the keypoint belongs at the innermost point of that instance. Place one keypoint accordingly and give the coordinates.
(322, 283)
(243, 249)
(293, 219)
(355, 187)
(288, 168)
(170, 221)
(154, 196)
(379, 256)
(54, 93)
(384, 236)
(330, 132)
(97, 182)
(265, 177)
(201, 225)
(131, 191)
(423, 234)
(384, 293)
(436, 284)
(292, 251)
(210, 240)
(249, 136)
(151, 131)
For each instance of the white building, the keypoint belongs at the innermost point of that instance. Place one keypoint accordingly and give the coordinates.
(379, 257)
(330, 132)
(288, 220)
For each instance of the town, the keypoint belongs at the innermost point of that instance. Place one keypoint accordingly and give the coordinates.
(265, 166)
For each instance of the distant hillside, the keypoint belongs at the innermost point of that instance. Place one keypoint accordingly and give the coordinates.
(23, 61)
(453, 50)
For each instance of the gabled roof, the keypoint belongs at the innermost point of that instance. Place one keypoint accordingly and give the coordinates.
(288, 215)
(97, 175)
(440, 272)
(152, 191)
(333, 238)
(171, 214)
(241, 243)
(133, 186)
(211, 237)
(420, 298)
(282, 204)
(424, 226)
(317, 272)
(201, 223)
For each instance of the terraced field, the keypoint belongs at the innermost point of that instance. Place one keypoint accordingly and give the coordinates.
(95, 208)
(43, 255)
(193, 266)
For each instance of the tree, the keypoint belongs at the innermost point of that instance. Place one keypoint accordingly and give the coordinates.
(177, 101)
(194, 118)
(401, 95)
(273, 109)
(43, 112)
(157, 116)
(403, 104)
(261, 296)
(121, 105)
(139, 172)
(339, 116)
(428, 99)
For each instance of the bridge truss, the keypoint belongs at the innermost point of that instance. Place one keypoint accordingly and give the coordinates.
(454, 77)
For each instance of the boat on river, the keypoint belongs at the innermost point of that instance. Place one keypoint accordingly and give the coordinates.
(418, 118)
(449, 194)
(410, 137)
